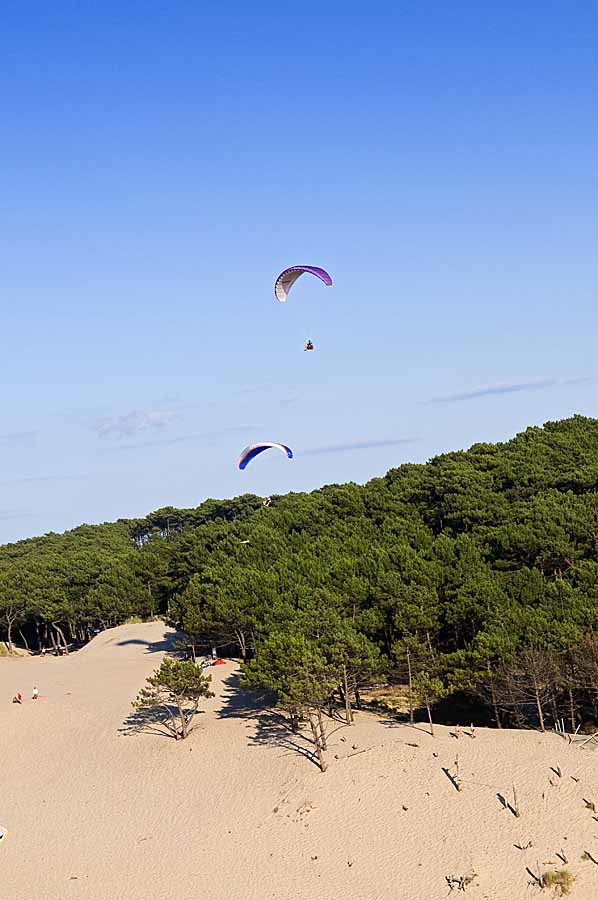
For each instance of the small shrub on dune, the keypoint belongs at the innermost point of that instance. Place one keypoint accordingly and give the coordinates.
(173, 695)
(560, 882)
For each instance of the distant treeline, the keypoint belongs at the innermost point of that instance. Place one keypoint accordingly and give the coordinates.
(475, 574)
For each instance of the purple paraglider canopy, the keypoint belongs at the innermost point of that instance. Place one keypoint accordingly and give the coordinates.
(287, 279)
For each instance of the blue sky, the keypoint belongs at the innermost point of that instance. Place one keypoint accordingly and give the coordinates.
(161, 163)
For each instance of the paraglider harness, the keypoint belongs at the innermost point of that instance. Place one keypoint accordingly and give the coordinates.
(309, 346)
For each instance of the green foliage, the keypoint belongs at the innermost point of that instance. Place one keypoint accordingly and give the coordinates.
(457, 572)
(294, 668)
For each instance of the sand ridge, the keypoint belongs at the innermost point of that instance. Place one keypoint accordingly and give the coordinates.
(238, 811)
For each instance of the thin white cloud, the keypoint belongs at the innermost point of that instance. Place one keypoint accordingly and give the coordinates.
(18, 437)
(251, 389)
(7, 515)
(359, 445)
(499, 390)
(135, 422)
(50, 478)
(159, 442)
(34, 479)
(185, 438)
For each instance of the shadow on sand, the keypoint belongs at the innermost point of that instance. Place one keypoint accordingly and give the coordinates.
(268, 726)
(404, 723)
(166, 645)
(153, 721)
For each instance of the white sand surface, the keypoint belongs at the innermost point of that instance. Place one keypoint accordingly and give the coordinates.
(237, 811)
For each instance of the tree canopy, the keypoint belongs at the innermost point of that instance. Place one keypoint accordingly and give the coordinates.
(475, 572)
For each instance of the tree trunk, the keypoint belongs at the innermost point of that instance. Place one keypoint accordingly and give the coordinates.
(348, 710)
(323, 740)
(61, 633)
(317, 741)
(183, 721)
(518, 716)
(37, 634)
(173, 723)
(554, 707)
(24, 639)
(430, 716)
(572, 715)
(357, 698)
(388, 639)
(410, 676)
(539, 705)
(429, 642)
(242, 644)
(9, 634)
(493, 697)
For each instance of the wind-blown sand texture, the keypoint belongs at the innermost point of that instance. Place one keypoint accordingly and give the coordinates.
(237, 812)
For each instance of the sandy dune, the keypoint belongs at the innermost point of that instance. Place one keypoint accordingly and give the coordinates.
(94, 811)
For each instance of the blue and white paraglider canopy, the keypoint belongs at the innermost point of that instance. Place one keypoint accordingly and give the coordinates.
(249, 453)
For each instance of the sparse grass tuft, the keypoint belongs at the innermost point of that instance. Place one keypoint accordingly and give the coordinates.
(560, 882)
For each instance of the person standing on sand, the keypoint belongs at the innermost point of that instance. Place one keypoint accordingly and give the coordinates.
(35, 693)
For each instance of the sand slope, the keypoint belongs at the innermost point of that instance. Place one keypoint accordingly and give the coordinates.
(238, 812)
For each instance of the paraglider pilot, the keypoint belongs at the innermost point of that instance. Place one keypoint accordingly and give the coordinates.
(309, 346)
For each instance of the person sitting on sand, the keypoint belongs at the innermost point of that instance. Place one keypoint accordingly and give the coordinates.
(17, 698)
